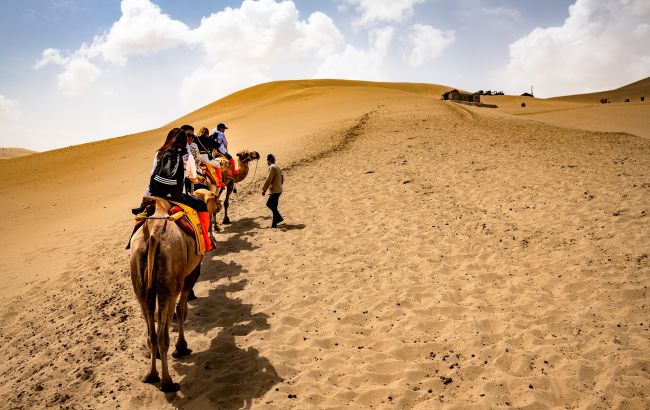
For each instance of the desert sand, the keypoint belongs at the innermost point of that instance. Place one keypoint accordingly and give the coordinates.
(7, 153)
(584, 111)
(432, 255)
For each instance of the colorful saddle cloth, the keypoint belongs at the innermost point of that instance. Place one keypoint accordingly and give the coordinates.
(189, 223)
(210, 172)
(192, 217)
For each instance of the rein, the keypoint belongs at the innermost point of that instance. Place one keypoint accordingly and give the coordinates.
(174, 217)
(254, 173)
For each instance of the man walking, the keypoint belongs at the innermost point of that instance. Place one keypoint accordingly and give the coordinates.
(274, 181)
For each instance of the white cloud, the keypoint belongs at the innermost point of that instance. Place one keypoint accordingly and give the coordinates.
(78, 77)
(51, 56)
(209, 82)
(373, 11)
(256, 40)
(427, 43)
(234, 48)
(251, 44)
(141, 29)
(355, 63)
(9, 110)
(603, 44)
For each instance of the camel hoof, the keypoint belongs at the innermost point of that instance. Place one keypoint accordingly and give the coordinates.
(226, 222)
(170, 387)
(151, 378)
(182, 352)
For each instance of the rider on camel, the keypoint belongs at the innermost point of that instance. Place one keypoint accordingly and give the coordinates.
(206, 145)
(176, 143)
(219, 135)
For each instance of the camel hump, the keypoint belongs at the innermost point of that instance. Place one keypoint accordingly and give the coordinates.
(162, 205)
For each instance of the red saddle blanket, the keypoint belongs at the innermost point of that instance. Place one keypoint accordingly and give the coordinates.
(183, 223)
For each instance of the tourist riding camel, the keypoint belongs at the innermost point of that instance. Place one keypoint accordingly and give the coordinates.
(219, 135)
(206, 146)
(171, 166)
(194, 150)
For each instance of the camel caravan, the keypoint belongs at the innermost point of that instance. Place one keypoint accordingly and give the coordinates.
(174, 230)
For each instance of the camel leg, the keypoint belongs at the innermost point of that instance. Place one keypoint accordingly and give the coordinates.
(226, 202)
(166, 311)
(181, 313)
(213, 226)
(148, 309)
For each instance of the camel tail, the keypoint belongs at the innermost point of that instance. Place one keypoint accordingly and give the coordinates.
(152, 247)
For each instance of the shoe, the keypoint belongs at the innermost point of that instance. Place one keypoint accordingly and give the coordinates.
(280, 220)
(274, 225)
(136, 211)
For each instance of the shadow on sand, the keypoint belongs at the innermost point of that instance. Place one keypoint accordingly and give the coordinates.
(225, 376)
(282, 226)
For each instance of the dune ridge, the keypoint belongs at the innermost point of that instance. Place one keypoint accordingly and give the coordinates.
(432, 255)
(8, 153)
(584, 111)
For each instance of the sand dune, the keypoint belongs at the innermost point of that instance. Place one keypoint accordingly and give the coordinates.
(584, 111)
(632, 91)
(433, 255)
(7, 153)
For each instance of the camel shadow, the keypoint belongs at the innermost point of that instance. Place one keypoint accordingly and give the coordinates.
(224, 375)
(242, 229)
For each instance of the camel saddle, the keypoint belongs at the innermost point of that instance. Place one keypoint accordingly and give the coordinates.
(210, 172)
(188, 222)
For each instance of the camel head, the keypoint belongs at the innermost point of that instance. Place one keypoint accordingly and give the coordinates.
(247, 156)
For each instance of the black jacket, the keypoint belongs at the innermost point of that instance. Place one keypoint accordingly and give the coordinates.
(206, 144)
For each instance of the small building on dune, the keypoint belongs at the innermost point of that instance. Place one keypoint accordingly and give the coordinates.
(455, 95)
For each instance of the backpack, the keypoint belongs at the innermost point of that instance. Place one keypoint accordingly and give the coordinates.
(168, 175)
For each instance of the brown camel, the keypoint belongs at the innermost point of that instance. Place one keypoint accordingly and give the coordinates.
(243, 158)
(164, 265)
(214, 206)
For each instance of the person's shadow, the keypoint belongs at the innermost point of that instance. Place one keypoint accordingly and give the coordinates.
(224, 376)
(282, 226)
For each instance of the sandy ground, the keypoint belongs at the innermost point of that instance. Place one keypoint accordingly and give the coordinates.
(584, 111)
(7, 153)
(432, 255)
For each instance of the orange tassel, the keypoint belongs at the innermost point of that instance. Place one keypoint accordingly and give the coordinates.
(232, 166)
(204, 217)
(219, 177)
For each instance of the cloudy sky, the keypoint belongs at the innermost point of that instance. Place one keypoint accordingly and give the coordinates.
(75, 71)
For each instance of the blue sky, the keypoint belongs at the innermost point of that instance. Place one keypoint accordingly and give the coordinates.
(76, 71)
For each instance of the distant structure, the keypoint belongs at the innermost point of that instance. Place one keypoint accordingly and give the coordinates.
(604, 101)
(527, 95)
(627, 100)
(455, 95)
(523, 105)
(466, 98)
(643, 98)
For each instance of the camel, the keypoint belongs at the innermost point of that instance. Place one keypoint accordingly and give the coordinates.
(243, 158)
(214, 206)
(164, 265)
